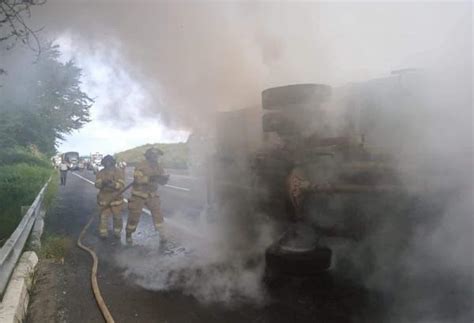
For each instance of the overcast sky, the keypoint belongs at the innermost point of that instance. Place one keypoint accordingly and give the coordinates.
(104, 84)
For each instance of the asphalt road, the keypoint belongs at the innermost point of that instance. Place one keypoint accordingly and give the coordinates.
(183, 198)
(63, 294)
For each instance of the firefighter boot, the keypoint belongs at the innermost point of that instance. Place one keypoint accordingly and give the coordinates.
(161, 232)
(128, 238)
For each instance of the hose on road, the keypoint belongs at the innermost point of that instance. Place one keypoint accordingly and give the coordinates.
(95, 263)
(95, 285)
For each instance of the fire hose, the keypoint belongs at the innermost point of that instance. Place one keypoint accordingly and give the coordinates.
(95, 262)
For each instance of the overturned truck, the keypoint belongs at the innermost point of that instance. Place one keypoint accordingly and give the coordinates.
(287, 164)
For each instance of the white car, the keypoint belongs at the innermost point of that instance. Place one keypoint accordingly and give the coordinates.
(97, 168)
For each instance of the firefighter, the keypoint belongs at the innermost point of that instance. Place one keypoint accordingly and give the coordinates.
(110, 181)
(147, 176)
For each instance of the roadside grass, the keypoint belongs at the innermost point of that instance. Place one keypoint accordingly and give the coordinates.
(55, 247)
(22, 175)
(52, 191)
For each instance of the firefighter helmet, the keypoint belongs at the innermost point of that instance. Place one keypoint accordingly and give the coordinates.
(153, 151)
(107, 159)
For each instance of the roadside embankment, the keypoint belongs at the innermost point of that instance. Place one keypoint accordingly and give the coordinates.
(22, 174)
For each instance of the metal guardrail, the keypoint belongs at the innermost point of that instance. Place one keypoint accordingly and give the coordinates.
(13, 247)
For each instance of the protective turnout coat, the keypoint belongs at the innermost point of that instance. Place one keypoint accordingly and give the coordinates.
(146, 179)
(109, 182)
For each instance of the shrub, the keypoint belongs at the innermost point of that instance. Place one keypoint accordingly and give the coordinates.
(19, 185)
(18, 155)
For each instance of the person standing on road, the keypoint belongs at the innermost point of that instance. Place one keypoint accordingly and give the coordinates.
(147, 176)
(110, 182)
(63, 172)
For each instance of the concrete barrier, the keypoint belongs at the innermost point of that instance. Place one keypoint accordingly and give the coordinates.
(14, 305)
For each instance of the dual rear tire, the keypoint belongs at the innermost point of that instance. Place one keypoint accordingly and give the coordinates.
(297, 263)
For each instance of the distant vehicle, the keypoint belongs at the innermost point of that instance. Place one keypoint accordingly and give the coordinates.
(95, 162)
(72, 159)
(97, 168)
(81, 165)
(56, 160)
(86, 161)
(96, 158)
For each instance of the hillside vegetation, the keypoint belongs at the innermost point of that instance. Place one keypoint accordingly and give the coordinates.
(176, 155)
(23, 172)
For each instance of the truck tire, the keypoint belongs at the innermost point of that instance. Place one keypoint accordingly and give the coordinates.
(295, 96)
(303, 263)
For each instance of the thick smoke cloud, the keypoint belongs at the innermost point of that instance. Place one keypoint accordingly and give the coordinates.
(424, 236)
(194, 58)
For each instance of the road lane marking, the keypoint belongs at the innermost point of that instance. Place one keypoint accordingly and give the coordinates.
(167, 220)
(167, 185)
(183, 176)
(83, 178)
(178, 188)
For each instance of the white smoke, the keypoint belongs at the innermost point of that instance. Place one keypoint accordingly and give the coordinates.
(194, 58)
(203, 263)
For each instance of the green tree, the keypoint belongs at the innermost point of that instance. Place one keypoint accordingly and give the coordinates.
(41, 101)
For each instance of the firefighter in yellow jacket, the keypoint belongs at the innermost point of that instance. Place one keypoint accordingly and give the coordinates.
(147, 176)
(110, 181)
